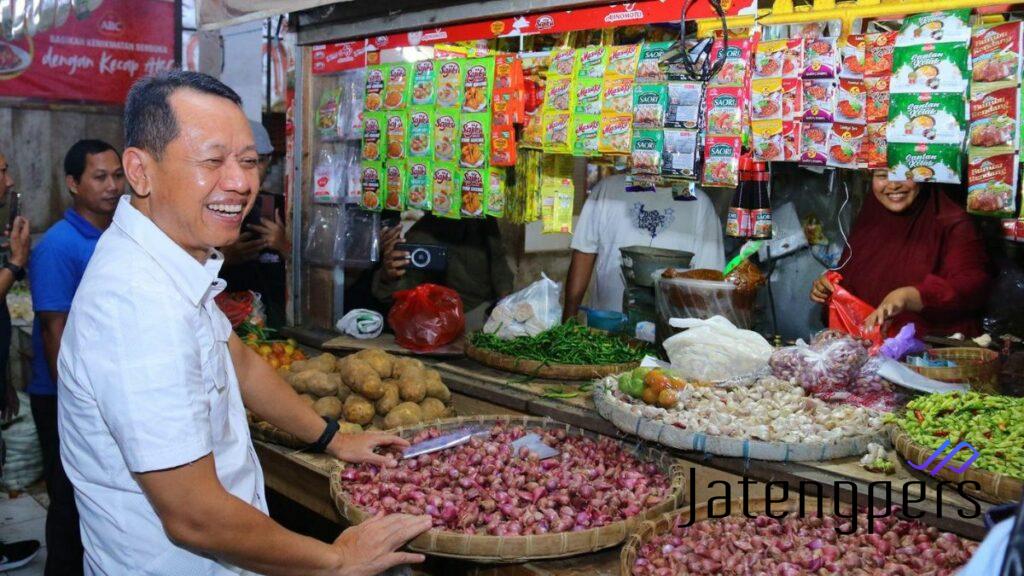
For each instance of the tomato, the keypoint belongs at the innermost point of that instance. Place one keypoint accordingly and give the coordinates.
(275, 363)
(656, 380)
(649, 396)
(264, 350)
(298, 355)
(251, 337)
(289, 349)
(676, 383)
(277, 347)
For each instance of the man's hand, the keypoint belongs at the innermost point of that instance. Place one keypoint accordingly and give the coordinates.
(273, 234)
(20, 242)
(822, 290)
(896, 302)
(370, 548)
(394, 261)
(245, 249)
(358, 448)
(12, 404)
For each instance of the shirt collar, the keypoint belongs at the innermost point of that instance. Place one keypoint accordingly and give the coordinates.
(83, 226)
(194, 280)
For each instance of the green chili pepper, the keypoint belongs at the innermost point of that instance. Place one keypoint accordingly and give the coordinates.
(567, 343)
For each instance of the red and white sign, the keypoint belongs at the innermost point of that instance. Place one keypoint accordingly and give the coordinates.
(92, 60)
(610, 16)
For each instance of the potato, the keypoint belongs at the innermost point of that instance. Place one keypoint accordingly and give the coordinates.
(362, 379)
(328, 406)
(405, 414)
(378, 423)
(301, 382)
(349, 428)
(343, 391)
(436, 388)
(379, 360)
(299, 366)
(325, 363)
(412, 388)
(307, 399)
(403, 363)
(318, 384)
(390, 399)
(373, 429)
(433, 409)
(358, 409)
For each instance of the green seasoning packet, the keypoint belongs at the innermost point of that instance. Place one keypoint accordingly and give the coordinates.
(374, 125)
(590, 62)
(477, 85)
(471, 190)
(419, 184)
(397, 84)
(373, 99)
(446, 202)
(930, 68)
(327, 114)
(932, 27)
(924, 162)
(421, 131)
(588, 96)
(474, 140)
(926, 118)
(397, 129)
(586, 128)
(494, 195)
(394, 185)
(371, 186)
(446, 135)
(423, 83)
(649, 71)
(650, 104)
(449, 83)
(648, 146)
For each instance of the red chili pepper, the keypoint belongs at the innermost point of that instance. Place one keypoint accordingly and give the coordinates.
(942, 433)
(920, 416)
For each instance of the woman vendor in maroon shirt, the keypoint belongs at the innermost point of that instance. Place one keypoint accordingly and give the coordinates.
(916, 257)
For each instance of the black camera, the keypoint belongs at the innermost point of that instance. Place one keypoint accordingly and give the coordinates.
(426, 256)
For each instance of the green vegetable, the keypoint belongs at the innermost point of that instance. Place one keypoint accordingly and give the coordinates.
(568, 343)
(994, 425)
(632, 383)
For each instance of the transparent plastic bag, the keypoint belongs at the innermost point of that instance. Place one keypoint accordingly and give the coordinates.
(828, 364)
(529, 312)
(715, 350)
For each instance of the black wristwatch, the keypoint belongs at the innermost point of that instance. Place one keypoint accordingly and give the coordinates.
(18, 271)
(320, 446)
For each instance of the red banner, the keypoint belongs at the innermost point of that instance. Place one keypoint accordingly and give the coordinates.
(92, 60)
(331, 59)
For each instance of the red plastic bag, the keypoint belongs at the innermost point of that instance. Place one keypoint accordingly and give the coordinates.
(426, 317)
(847, 313)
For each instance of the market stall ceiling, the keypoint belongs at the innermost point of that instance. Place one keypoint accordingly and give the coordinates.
(214, 14)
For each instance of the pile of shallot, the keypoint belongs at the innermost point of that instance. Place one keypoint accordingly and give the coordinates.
(810, 545)
(485, 487)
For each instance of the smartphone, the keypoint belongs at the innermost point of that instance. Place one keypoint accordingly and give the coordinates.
(428, 257)
(266, 206)
(15, 196)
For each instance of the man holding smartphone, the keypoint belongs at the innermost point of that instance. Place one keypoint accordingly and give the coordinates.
(95, 180)
(257, 260)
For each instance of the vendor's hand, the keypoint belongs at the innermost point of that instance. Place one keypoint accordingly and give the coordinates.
(246, 248)
(895, 303)
(822, 290)
(359, 448)
(370, 548)
(395, 261)
(20, 242)
(273, 234)
(12, 405)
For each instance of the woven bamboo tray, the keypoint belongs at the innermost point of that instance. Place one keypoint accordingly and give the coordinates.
(542, 370)
(995, 488)
(499, 549)
(978, 367)
(630, 420)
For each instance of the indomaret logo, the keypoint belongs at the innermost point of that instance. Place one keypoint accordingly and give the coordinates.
(628, 13)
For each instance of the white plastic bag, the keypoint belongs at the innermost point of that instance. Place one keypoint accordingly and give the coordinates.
(528, 312)
(715, 350)
(24, 463)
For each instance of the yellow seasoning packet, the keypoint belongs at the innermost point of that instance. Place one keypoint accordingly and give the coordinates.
(586, 128)
(494, 196)
(556, 133)
(617, 96)
(621, 61)
(397, 133)
(394, 185)
(419, 184)
(477, 85)
(471, 190)
(558, 94)
(474, 140)
(446, 135)
(616, 133)
(371, 186)
(563, 63)
(556, 205)
(447, 202)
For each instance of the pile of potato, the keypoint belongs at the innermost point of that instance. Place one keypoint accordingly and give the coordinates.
(368, 390)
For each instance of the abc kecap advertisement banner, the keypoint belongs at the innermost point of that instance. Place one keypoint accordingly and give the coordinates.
(98, 57)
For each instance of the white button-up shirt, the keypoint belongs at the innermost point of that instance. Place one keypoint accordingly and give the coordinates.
(146, 383)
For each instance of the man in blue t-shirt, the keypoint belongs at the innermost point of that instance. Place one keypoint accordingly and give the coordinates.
(95, 179)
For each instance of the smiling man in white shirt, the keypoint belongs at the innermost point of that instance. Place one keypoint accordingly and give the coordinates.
(154, 385)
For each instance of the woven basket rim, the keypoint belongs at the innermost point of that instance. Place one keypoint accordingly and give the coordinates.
(539, 369)
(1006, 488)
(594, 538)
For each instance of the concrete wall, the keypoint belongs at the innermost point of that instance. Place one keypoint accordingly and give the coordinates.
(35, 141)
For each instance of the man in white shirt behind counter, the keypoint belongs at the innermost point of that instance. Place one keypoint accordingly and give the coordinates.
(153, 385)
(613, 218)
